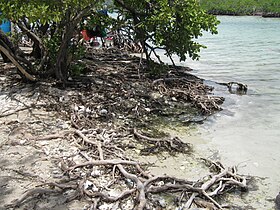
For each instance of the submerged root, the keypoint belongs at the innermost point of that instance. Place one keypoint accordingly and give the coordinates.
(235, 87)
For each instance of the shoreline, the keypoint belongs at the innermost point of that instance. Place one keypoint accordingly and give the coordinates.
(260, 14)
(91, 118)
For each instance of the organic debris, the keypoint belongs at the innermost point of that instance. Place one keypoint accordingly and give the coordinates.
(103, 175)
(97, 118)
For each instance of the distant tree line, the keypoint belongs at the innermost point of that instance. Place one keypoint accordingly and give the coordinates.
(242, 7)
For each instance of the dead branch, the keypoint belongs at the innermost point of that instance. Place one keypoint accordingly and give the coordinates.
(17, 64)
(59, 185)
(213, 180)
(173, 187)
(175, 79)
(14, 112)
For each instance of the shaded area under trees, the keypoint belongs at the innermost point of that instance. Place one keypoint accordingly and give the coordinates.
(53, 27)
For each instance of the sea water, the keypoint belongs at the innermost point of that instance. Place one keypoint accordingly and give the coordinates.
(247, 132)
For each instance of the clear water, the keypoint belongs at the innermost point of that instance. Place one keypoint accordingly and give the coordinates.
(247, 131)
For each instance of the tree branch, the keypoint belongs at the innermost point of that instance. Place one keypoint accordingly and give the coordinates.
(35, 39)
(11, 56)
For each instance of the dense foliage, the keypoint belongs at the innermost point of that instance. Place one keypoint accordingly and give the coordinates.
(51, 25)
(171, 25)
(270, 6)
(241, 7)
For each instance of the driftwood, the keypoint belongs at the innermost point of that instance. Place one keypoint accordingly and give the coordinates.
(51, 136)
(209, 189)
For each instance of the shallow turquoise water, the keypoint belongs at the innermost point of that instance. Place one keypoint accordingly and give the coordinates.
(247, 132)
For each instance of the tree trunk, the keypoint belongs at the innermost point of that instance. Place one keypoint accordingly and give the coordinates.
(63, 61)
(38, 43)
(11, 52)
(37, 51)
(61, 66)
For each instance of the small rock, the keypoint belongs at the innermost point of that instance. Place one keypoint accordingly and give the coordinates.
(21, 142)
(106, 206)
(156, 95)
(161, 183)
(256, 164)
(88, 185)
(182, 168)
(129, 183)
(147, 109)
(56, 172)
(46, 151)
(103, 112)
(75, 107)
(162, 203)
(95, 173)
(81, 108)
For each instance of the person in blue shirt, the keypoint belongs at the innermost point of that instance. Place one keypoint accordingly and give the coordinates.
(5, 26)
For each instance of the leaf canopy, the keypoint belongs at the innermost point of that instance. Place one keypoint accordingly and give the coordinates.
(44, 10)
(173, 25)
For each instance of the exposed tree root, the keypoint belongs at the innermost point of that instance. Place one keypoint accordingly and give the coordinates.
(51, 136)
(163, 144)
(235, 87)
(100, 172)
(14, 112)
(135, 184)
(32, 193)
